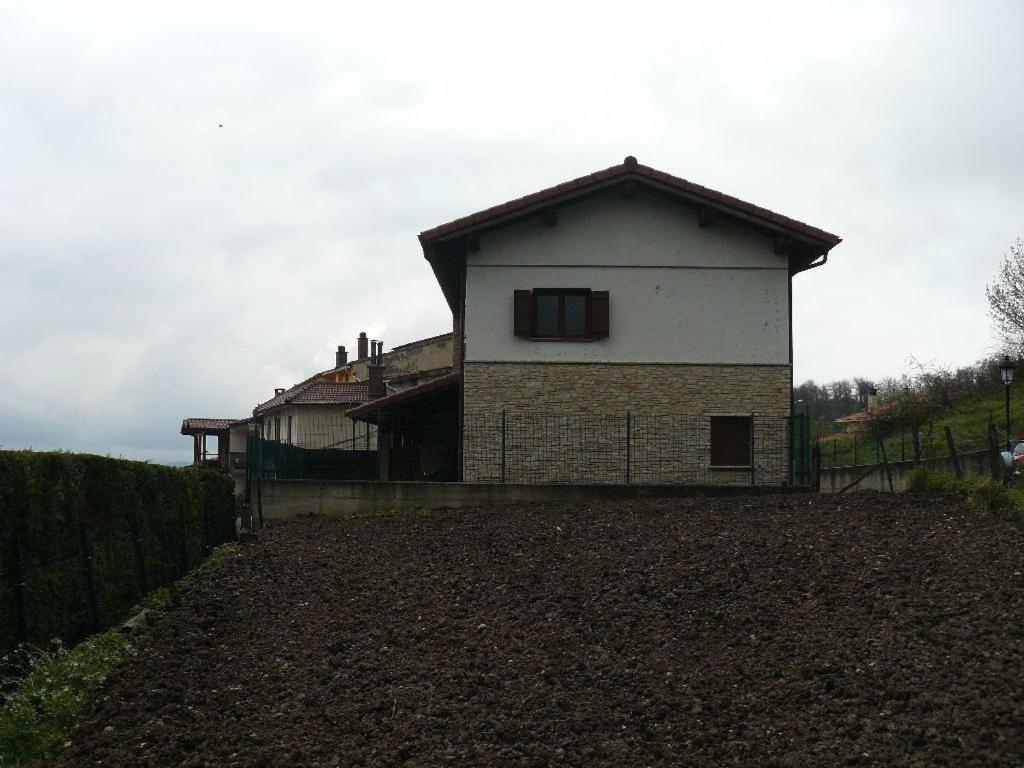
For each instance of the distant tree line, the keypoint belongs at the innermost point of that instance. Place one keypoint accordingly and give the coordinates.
(938, 387)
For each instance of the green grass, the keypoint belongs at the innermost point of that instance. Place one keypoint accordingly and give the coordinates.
(967, 420)
(984, 494)
(52, 687)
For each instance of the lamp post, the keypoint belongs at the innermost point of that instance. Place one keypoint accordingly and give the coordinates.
(1006, 374)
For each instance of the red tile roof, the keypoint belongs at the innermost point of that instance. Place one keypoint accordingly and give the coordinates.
(631, 169)
(318, 391)
(192, 425)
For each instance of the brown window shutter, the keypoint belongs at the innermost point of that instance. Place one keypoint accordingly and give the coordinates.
(523, 313)
(599, 314)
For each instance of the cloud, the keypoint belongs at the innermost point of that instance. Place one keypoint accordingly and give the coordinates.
(157, 266)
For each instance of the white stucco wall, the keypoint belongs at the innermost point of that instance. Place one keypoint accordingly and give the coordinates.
(678, 293)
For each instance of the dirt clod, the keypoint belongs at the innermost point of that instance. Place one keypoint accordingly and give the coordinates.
(864, 630)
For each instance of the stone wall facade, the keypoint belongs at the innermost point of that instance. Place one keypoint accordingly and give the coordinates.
(619, 423)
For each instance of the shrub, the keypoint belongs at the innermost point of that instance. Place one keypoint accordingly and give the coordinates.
(45, 501)
(983, 493)
(54, 688)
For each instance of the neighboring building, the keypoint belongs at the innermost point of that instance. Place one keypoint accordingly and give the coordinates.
(231, 436)
(626, 326)
(863, 421)
(311, 414)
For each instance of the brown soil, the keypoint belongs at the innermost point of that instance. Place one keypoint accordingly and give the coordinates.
(791, 631)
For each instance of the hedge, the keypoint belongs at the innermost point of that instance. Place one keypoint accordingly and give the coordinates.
(49, 502)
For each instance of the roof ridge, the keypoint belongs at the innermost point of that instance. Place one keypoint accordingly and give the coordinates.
(630, 167)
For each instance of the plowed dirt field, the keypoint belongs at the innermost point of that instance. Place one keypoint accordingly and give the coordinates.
(863, 630)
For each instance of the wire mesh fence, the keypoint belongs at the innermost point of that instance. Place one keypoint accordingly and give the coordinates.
(641, 449)
(868, 447)
(544, 448)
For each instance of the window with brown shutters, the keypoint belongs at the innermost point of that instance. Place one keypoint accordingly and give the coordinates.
(561, 314)
(730, 441)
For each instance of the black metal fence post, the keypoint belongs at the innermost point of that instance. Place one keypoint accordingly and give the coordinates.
(259, 493)
(503, 428)
(752, 449)
(855, 449)
(835, 453)
(90, 582)
(629, 443)
(140, 559)
(19, 586)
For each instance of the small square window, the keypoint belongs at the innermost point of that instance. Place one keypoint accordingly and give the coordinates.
(730, 441)
(560, 313)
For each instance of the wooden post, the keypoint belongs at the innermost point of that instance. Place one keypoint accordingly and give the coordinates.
(18, 572)
(816, 466)
(995, 460)
(90, 582)
(884, 460)
(953, 455)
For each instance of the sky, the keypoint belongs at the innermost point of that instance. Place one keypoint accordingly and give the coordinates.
(200, 201)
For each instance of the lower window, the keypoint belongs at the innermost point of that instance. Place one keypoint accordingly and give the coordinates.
(730, 442)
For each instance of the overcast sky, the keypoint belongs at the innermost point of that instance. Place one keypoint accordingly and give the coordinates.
(155, 265)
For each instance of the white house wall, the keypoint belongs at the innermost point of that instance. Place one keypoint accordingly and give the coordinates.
(678, 292)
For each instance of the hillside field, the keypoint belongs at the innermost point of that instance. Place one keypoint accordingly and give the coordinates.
(795, 630)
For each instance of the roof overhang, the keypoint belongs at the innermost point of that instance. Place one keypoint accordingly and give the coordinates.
(446, 246)
(370, 411)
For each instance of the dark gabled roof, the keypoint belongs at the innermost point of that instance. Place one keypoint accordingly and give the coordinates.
(194, 425)
(367, 411)
(445, 244)
(318, 391)
(630, 169)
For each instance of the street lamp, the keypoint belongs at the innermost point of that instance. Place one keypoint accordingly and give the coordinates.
(1006, 374)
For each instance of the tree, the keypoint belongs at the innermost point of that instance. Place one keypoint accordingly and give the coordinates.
(1006, 298)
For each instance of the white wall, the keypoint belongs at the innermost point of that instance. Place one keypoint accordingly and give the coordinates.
(678, 293)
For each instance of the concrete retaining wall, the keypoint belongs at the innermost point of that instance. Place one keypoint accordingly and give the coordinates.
(285, 499)
(834, 480)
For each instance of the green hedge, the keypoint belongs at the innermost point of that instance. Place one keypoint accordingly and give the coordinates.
(45, 498)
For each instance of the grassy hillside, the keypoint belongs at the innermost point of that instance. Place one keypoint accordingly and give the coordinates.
(968, 421)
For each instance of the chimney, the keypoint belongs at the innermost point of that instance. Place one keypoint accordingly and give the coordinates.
(872, 399)
(361, 347)
(376, 382)
(341, 357)
(278, 391)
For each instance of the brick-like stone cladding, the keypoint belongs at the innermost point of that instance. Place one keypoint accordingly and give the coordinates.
(566, 422)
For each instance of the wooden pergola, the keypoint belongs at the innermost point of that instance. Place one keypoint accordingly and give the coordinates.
(199, 429)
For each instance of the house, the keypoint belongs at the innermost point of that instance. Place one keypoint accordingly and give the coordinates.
(302, 430)
(627, 326)
(229, 438)
(863, 422)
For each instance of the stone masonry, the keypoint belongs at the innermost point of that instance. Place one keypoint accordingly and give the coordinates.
(567, 422)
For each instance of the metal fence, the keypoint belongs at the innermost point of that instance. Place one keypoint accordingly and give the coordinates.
(869, 447)
(538, 448)
(640, 449)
